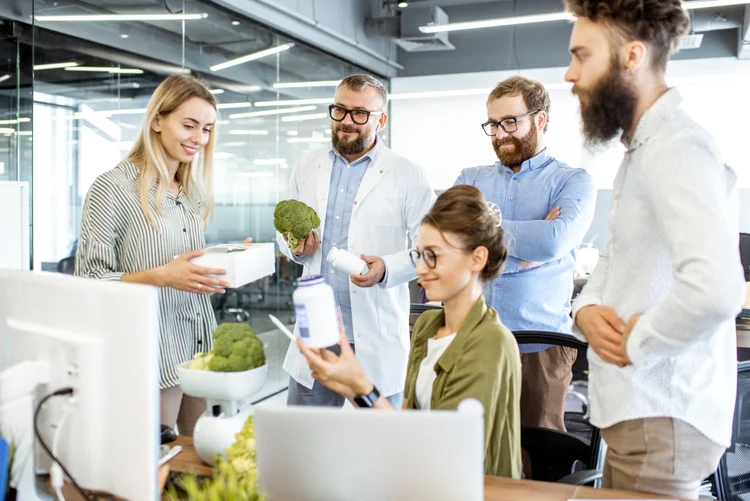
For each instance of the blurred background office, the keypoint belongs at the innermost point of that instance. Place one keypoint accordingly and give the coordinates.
(73, 92)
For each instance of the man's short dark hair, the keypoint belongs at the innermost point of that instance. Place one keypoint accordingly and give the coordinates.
(658, 23)
(535, 96)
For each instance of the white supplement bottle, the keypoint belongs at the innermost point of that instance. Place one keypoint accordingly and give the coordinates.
(315, 308)
(347, 262)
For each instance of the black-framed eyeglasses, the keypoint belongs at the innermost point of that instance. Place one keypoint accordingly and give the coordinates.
(508, 125)
(429, 256)
(359, 117)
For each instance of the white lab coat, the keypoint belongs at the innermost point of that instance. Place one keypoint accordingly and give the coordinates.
(391, 201)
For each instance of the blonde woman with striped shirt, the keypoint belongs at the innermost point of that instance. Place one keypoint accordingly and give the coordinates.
(152, 207)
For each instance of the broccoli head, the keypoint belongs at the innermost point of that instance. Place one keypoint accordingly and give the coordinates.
(295, 220)
(236, 348)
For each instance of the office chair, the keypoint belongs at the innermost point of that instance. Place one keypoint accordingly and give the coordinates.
(67, 265)
(731, 482)
(573, 456)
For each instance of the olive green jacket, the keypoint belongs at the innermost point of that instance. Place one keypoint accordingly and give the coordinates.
(481, 362)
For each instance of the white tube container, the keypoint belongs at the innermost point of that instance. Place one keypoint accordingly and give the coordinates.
(347, 262)
(315, 308)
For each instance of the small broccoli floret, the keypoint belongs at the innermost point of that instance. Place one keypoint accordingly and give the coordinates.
(295, 220)
(237, 348)
(218, 364)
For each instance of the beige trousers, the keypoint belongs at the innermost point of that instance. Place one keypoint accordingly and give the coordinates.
(658, 455)
(183, 410)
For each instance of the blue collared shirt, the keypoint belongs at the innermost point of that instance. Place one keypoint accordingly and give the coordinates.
(342, 192)
(533, 293)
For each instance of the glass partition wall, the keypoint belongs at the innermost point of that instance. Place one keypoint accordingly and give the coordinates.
(72, 96)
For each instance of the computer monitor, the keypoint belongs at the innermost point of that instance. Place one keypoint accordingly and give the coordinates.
(100, 338)
(336, 455)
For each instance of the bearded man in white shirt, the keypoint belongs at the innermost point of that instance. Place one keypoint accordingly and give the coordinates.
(658, 311)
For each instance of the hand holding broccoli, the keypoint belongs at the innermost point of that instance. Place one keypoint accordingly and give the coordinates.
(295, 220)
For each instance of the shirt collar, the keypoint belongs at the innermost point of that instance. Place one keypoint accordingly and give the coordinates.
(652, 121)
(533, 163)
(370, 155)
(449, 357)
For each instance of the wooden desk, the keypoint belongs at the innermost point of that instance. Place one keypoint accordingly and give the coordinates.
(495, 488)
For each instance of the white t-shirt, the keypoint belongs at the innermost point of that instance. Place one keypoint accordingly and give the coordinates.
(426, 376)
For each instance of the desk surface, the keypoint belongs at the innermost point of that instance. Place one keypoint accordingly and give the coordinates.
(495, 488)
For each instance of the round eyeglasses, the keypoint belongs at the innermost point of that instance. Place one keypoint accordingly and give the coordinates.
(429, 256)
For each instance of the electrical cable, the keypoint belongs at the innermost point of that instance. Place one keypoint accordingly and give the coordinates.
(58, 393)
(88, 496)
(56, 474)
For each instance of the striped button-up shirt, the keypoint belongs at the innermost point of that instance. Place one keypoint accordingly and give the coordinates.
(117, 239)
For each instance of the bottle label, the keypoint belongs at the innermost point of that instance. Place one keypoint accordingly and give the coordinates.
(303, 325)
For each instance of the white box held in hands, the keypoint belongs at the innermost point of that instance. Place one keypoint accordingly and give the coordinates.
(243, 263)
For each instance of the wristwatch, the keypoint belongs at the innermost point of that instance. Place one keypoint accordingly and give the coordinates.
(367, 401)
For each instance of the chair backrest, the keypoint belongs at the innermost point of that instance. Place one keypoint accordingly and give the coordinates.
(67, 265)
(553, 454)
(556, 451)
(745, 254)
(732, 478)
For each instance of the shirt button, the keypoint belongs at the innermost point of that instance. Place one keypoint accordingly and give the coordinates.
(342, 190)
(184, 230)
(513, 179)
(359, 335)
(334, 244)
(177, 202)
(338, 217)
(354, 291)
(333, 271)
(324, 199)
(510, 199)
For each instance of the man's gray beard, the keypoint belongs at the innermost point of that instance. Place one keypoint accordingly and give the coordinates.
(351, 148)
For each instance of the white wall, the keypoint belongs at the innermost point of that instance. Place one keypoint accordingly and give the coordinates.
(444, 135)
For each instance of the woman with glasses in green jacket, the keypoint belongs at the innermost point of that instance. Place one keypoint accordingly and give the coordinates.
(462, 351)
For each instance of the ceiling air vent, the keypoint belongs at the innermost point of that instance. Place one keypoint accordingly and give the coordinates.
(413, 40)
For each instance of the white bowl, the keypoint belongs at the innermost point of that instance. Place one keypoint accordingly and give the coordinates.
(221, 385)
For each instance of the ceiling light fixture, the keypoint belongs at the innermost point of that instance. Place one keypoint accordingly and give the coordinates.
(121, 17)
(252, 57)
(4, 78)
(264, 113)
(554, 16)
(235, 23)
(294, 102)
(251, 132)
(105, 69)
(293, 140)
(216, 92)
(13, 122)
(300, 85)
(301, 118)
(403, 5)
(53, 66)
(229, 106)
(441, 93)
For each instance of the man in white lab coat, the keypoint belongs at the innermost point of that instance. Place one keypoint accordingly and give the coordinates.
(371, 202)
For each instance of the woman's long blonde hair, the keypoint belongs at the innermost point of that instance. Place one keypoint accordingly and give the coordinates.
(149, 155)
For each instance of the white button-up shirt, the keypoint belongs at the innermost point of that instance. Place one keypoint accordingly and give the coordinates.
(673, 257)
